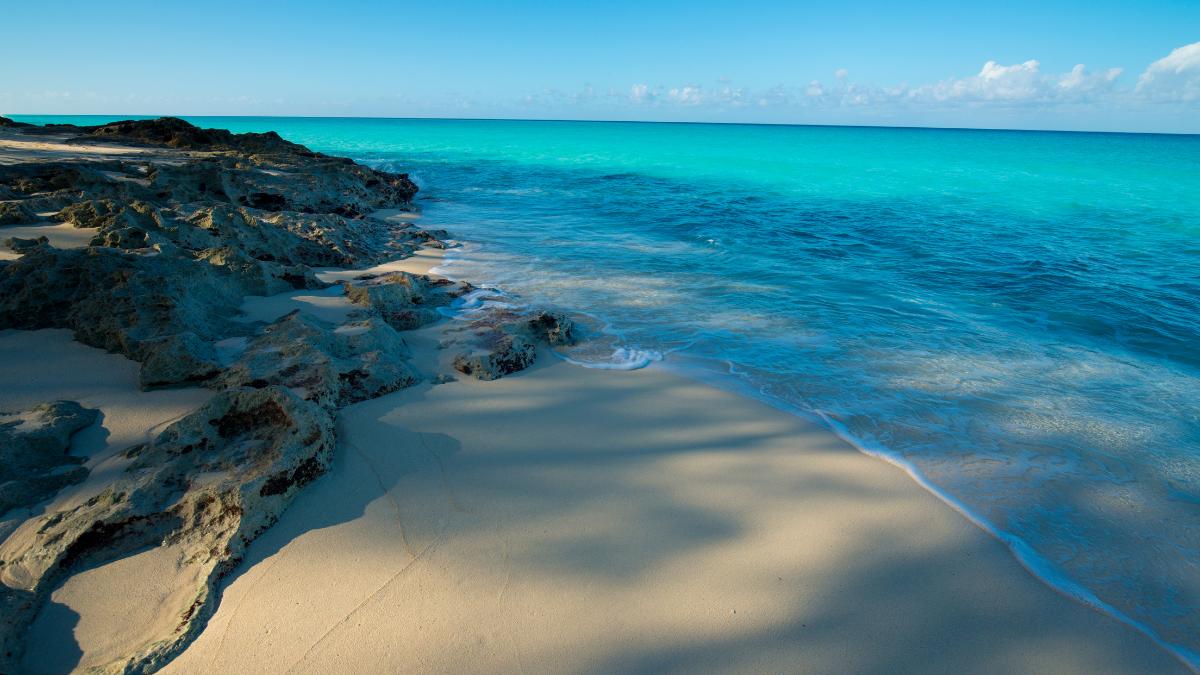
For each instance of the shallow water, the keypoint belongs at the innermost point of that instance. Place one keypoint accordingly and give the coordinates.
(1015, 315)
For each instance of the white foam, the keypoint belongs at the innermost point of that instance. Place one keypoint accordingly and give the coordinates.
(623, 358)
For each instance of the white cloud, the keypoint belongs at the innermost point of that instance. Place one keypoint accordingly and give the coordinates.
(1078, 80)
(688, 95)
(998, 92)
(1175, 77)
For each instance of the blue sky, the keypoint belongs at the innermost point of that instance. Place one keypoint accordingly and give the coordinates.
(1013, 64)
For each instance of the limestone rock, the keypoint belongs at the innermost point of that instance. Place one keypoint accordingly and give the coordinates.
(177, 360)
(19, 245)
(15, 213)
(496, 353)
(209, 483)
(406, 301)
(553, 327)
(117, 300)
(501, 341)
(332, 367)
(34, 463)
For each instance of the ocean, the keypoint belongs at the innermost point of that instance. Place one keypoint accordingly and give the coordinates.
(1012, 316)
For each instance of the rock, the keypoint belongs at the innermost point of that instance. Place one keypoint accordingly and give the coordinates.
(182, 237)
(496, 353)
(177, 360)
(209, 484)
(554, 328)
(90, 213)
(332, 367)
(34, 463)
(501, 341)
(116, 300)
(19, 245)
(15, 213)
(406, 301)
(6, 122)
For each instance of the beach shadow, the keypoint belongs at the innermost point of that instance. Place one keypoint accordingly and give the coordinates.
(58, 652)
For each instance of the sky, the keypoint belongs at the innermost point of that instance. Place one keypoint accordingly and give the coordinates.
(1080, 65)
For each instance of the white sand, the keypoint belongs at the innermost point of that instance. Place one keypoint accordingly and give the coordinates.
(16, 147)
(419, 263)
(328, 304)
(47, 365)
(126, 605)
(572, 520)
(60, 235)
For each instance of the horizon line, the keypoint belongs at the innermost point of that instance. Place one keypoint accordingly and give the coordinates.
(612, 121)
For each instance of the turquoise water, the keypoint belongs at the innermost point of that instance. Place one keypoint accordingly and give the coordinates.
(1013, 315)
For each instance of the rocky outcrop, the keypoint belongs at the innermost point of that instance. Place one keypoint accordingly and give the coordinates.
(34, 463)
(330, 366)
(15, 213)
(118, 301)
(405, 301)
(183, 234)
(500, 341)
(183, 358)
(182, 238)
(6, 122)
(208, 484)
(21, 245)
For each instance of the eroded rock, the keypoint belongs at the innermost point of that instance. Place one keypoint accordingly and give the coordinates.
(34, 463)
(330, 366)
(208, 484)
(501, 341)
(406, 301)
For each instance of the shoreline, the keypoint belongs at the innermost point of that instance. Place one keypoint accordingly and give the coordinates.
(1028, 559)
(560, 518)
(489, 530)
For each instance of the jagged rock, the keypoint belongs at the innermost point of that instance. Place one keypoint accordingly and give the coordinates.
(554, 328)
(6, 122)
(496, 354)
(177, 359)
(501, 341)
(33, 451)
(173, 132)
(15, 213)
(20, 245)
(90, 213)
(259, 277)
(182, 238)
(406, 301)
(116, 300)
(209, 484)
(333, 367)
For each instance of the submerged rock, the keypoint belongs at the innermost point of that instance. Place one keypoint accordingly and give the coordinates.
(209, 483)
(34, 463)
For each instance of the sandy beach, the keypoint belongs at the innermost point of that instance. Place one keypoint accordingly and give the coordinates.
(558, 520)
(574, 520)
